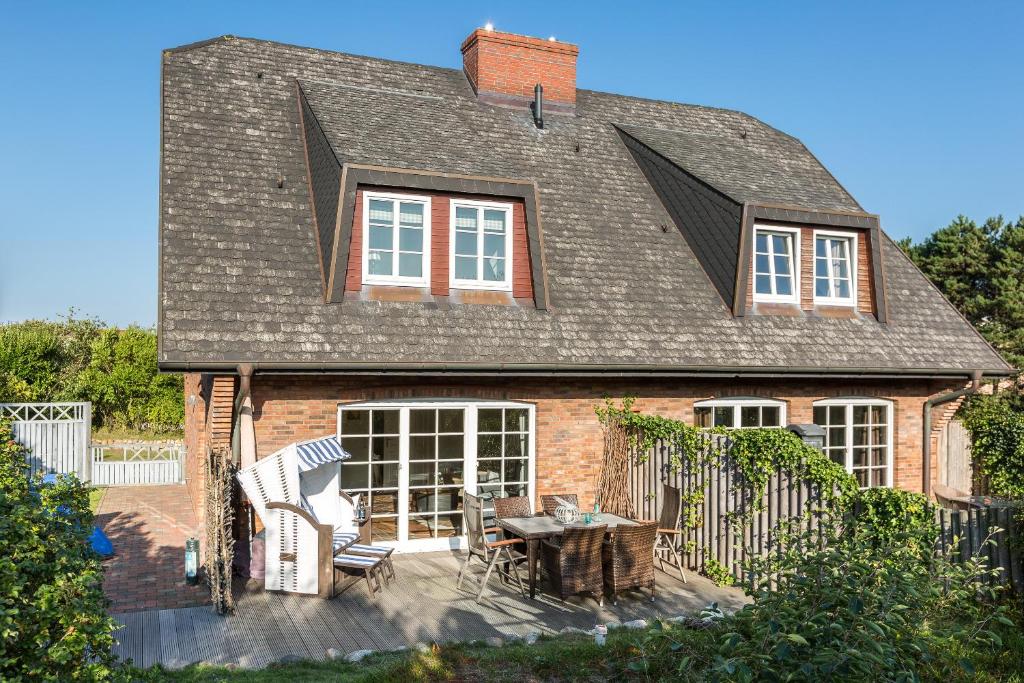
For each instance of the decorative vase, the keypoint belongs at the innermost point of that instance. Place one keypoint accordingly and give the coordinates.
(567, 514)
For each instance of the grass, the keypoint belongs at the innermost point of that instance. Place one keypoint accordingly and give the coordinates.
(574, 657)
(108, 434)
(95, 496)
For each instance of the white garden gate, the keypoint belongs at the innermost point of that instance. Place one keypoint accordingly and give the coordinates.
(126, 464)
(56, 435)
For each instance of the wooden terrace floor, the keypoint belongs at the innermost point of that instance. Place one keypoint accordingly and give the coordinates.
(421, 605)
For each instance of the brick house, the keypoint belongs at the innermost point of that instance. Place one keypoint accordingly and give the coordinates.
(451, 268)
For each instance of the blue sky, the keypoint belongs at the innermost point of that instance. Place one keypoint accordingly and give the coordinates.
(915, 107)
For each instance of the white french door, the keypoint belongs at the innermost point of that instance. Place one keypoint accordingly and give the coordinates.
(411, 462)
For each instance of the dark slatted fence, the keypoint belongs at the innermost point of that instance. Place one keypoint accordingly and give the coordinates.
(966, 532)
(731, 527)
(730, 524)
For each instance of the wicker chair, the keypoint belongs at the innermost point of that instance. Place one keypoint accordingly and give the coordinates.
(490, 553)
(574, 566)
(627, 559)
(550, 503)
(512, 506)
(668, 528)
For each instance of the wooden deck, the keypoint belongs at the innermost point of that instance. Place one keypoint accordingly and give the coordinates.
(422, 605)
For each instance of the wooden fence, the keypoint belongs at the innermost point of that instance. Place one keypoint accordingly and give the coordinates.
(128, 464)
(731, 529)
(954, 457)
(55, 435)
(730, 526)
(973, 527)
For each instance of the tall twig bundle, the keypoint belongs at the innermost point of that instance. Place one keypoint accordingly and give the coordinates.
(220, 544)
(613, 485)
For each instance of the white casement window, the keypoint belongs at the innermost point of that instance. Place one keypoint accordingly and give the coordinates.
(776, 271)
(396, 239)
(740, 412)
(835, 268)
(411, 462)
(481, 245)
(858, 436)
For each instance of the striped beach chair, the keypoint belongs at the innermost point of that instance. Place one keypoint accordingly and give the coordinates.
(296, 494)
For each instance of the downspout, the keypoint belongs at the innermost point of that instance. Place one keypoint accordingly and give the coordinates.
(928, 405)
(246, 429)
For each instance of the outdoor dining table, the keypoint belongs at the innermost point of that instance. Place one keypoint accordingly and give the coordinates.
(535, 529)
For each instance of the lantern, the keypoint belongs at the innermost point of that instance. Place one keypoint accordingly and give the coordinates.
(191, 561)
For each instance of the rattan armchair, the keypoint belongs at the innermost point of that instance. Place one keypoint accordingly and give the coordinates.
(574, 565)
(490, 553)
(512, 506)
(550, 503)
(627, 560)
(668, 534)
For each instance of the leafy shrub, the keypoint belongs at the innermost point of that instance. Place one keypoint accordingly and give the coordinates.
(996, 424)
(718, 573)
(83, 360)
(861, 607)
(53, 621)
(124, 385)
(883, 514)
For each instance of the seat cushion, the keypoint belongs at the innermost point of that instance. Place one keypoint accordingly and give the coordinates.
(356, 561)
(344, 539)
(372, 550)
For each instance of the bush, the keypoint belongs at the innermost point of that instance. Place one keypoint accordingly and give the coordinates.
(83, 360)
(996, 424)
(884, 514)
(53, 621)
(864, 606)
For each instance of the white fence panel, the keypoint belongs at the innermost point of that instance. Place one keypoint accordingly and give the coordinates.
(56, 435)
(127, 464)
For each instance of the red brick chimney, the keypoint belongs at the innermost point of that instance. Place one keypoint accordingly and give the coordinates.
(503, 68)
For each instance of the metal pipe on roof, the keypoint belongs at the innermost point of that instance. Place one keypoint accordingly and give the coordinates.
(928, 405)
(538, 105)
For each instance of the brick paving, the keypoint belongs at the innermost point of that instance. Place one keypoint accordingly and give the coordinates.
(148, 526)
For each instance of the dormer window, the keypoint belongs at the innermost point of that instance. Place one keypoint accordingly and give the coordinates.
(481, 244)
(396, 246)
(776, 279)
(835, 258)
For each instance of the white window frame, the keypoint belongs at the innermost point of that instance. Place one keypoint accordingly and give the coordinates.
(742, 402)
(849, 403)
(372, 279)
(480, 283)
(851, 240)
(470, 429)
(794, 264)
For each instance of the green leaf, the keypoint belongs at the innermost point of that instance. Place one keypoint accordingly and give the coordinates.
(797, 638)
(967, 666)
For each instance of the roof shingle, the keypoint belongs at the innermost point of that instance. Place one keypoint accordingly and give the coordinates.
(240, 273)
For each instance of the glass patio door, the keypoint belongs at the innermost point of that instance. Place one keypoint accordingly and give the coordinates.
(410, 463)
(437, 460)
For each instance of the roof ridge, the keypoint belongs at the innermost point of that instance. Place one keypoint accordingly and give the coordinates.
(230, 38)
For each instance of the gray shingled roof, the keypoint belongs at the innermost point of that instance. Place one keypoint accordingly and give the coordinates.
(240, 280)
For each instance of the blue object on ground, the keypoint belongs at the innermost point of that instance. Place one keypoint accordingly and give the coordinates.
(97, 539)
(100, 543)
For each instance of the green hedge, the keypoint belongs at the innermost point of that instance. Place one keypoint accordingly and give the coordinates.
(996, 424)
(53, 621)
(84, 360)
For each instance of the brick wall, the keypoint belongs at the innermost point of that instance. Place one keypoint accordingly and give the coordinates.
(510, 65)
(196, 435)
(209, 406)
(440, 229)
(289, 409)
(865, 280)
